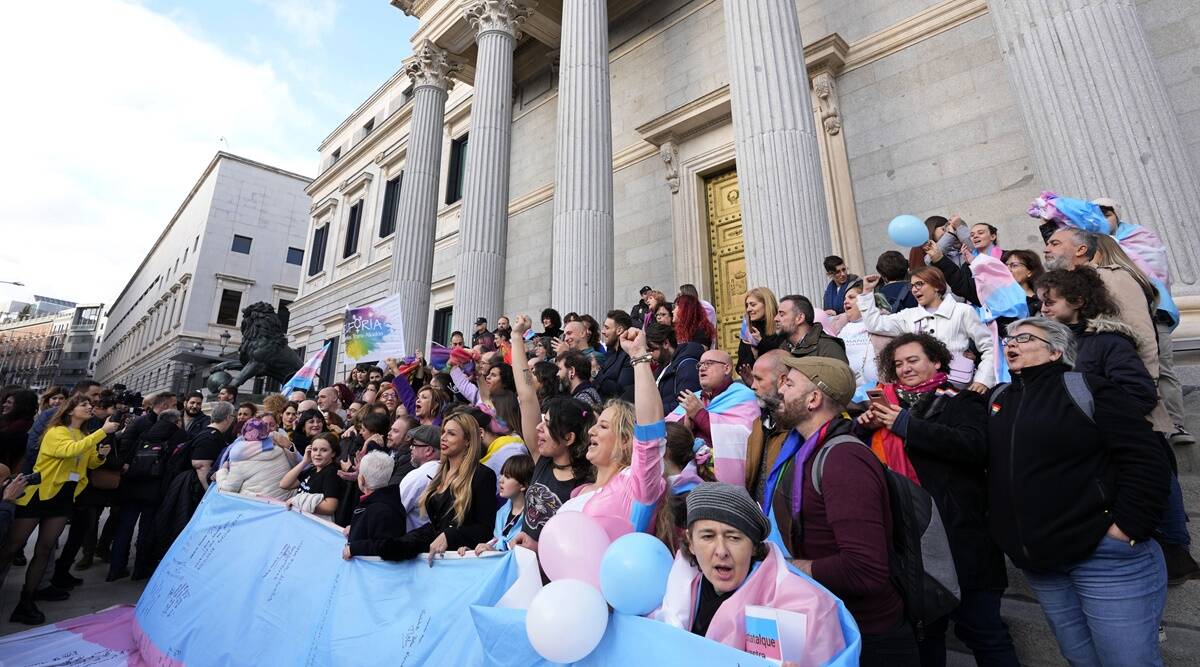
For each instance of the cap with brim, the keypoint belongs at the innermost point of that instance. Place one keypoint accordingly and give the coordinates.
(832, 376)
(425, 434)
(645, 288)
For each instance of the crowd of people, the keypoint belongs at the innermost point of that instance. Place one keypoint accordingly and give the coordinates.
(1040, 431)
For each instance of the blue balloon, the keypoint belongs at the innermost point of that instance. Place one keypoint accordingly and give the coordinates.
(908, 231)
(633, 573)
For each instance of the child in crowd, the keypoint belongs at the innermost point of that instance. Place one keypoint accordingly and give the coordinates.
(515, 476)
(320, 489)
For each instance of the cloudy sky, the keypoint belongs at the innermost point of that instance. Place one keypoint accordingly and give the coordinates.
(114, 107)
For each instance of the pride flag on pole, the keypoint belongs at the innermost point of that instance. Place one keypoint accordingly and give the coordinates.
(303, 379)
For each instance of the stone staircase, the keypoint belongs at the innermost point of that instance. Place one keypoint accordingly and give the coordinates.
(1181, 621)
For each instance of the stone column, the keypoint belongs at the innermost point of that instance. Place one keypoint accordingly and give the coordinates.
(1098, 116)
(778, 162)
(429, 68)
(483, 226)
(582, 265)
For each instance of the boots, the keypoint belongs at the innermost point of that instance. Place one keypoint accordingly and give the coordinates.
(27, 612)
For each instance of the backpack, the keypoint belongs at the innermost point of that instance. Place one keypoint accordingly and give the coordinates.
(1077, 388)
(146, 462)
(922, 567)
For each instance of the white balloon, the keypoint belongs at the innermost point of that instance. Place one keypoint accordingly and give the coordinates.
(566, 620)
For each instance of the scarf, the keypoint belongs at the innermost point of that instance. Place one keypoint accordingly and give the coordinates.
(889, 447)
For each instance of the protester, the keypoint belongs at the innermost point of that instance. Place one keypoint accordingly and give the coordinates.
(1026, 267)
(227, 393)
(800, 334)
(425, 460)
(710, 312)
(638, 313)
(1074, 498)
(512, 483)
(53, 397)
(758, 323)
(664, 314)
(654, 300)
(207, 447)
(615, 379)
(862, 346)
(677, 367)
(256, 462)
(314, 478)
(309, 424)
(893, 273)
(761, 453)
(288, 419)
(499, 432)
(933, 434)
(692, 323)
(841, 535)
(194, 419)
(723, 415)
(380, 513)
(955, 324)
(64, 457)
(430, 403)
(574, 376)
(727, 564)
(840, 280)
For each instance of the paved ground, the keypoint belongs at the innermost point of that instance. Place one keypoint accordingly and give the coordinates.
(91, 596)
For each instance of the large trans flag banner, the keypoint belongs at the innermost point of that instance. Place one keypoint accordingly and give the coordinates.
(249, 582)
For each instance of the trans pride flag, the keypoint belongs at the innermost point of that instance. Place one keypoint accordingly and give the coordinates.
(1001, 296)
(731, 416)
(303, 379)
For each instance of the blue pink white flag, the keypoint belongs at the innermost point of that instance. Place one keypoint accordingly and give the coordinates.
(303, 379)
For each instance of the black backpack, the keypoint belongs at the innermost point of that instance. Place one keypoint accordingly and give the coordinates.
(921, 564)
(146, 461)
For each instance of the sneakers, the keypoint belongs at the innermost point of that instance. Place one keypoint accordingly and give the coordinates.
(51, 593)
(1181, 437)
(1180, 564)
(27, 612)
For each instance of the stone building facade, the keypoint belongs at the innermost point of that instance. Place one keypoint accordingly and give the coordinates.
(237, 238)
(57, 349)
(525, 156)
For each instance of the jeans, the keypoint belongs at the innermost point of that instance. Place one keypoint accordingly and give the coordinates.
(1173, 527)
(1105, 610)
(895, 648)
(129, 515)
(977, 624)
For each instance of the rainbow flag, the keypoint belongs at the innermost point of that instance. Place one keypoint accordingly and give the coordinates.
(303, 379)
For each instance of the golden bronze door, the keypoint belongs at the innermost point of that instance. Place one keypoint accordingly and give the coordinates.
(727, 256)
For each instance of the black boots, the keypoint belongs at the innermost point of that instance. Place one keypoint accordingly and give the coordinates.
(27, 612)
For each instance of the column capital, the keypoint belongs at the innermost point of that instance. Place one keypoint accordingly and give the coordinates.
(505, 16)
(430, 66)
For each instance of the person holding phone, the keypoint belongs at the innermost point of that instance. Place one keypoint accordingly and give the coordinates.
(59, 475)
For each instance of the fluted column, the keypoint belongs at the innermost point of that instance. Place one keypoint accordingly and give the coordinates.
(412, 252)
(1097, 114)
(583, 193)
(483, 226)
(778, 161)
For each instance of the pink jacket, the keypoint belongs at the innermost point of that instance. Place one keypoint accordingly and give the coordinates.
(627, 502)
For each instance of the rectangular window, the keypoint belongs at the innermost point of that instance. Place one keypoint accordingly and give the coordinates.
(285, 314)
(368, 126)
(458, 169)
(352, 224)
(442, 321)
(231, 303)
(316, 260)
(295, 256)
(241, 244)
(391, 206)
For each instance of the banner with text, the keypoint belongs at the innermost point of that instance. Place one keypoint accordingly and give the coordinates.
(375, 332)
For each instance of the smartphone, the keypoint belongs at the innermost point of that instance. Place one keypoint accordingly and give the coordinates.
(877, 397)
(33, 478)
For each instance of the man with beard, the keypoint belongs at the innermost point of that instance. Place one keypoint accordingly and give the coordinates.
(847, 524)
(575, 377)
(194, 420)
(615, 379)
(764, 445)
(723, 414)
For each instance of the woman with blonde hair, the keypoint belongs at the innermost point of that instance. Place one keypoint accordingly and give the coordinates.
(460, 500)
(757, 323)
(654, 299)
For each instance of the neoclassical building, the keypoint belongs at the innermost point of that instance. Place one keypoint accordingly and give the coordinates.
(566, 152)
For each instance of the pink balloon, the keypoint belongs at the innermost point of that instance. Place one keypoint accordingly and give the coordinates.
(822, 318)
(572, 546)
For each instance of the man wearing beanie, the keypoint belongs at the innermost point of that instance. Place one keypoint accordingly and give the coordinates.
(842, 534)
(728, 565)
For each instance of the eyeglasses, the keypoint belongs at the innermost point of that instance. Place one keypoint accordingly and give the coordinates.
(709, 362)
(1023, 338)
(418, 443)
(1016, 265)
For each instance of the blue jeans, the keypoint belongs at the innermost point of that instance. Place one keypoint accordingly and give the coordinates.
(1173, 527)
(1105, 610)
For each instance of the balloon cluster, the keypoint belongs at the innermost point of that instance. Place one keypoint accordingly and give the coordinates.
(588, 572)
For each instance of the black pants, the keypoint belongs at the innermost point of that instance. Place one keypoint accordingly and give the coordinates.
(895, 648)
(977, 624)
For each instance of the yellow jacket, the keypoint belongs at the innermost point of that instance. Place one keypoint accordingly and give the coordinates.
(64, 451)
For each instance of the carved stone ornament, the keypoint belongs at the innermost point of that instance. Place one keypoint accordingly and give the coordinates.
(825, 95)
(498, 15)
(669, 153)
(430, 66)
(405, 6)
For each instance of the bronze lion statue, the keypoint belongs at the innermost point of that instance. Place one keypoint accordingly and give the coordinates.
(264, 350)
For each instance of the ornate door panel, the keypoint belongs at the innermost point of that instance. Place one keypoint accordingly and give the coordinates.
(728, 257)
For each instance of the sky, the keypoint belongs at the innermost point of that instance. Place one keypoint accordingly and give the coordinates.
(113, 108)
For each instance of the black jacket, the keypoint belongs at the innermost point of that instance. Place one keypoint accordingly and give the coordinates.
(477, 526)
(163, 433)
(182, 497)
(638, 313)
(1057, 481)
(379, 516)
(197, 425)
(615, 379)
(945, 442)
(682, 373)
(1106, 348)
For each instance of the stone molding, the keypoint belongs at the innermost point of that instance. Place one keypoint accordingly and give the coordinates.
(320, 208)
(352, 185)
(506, 16)
(935, 20)
(669, 154)
(431, 66)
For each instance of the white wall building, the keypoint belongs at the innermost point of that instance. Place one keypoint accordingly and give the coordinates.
(238, 238)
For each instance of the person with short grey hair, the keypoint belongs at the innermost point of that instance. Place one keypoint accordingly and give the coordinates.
(208, 445)
(1056, 336)
(1077, 485)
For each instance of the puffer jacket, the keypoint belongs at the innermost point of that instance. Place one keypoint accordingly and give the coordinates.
(257, 475)
(683, 373)
(1057, 480)
(1108, 348)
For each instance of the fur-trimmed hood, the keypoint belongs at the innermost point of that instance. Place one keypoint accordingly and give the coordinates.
(1101, 325)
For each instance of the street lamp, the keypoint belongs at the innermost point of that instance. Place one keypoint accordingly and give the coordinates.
(224, 341)
(197, 347)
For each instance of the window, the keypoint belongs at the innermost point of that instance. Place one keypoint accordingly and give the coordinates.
(355, 218)
(442, 318)
(316, 261)
(335, 156)
(196, 244)
(295, 256)
(285, 314)
(368, 126)
(231, 303)
(391, 206)
(242, 244)
(458, 169)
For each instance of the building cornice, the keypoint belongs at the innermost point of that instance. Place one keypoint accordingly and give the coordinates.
(927, 23)
(390, 125)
